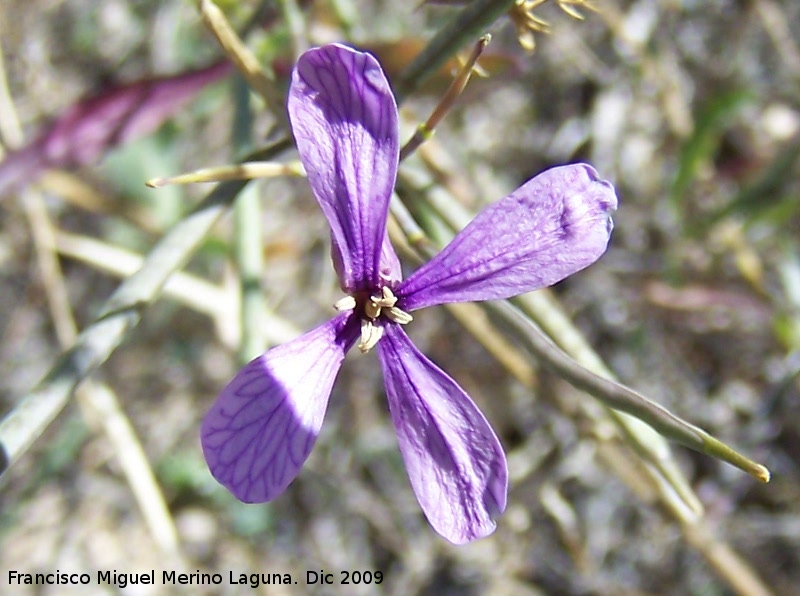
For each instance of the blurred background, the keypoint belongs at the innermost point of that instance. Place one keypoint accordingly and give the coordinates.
(690, 108)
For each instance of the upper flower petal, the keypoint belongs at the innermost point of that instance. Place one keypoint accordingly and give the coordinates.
(453, 458)
(552, 226)
(263, 425)
(344, 119)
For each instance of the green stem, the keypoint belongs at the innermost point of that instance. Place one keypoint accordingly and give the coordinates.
(470, 24)
(619, 397)
(121, 313)
(596, 382)
(248, 239)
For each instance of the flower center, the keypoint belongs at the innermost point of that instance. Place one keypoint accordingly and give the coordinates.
(372, 308)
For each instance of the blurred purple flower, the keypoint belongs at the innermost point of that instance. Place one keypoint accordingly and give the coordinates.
(93, 126)
(263, 426)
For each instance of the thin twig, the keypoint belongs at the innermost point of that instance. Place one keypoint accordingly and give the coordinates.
(445, 104)
(778, 26)
(10, 130)
(241, 171)
(97, 398)
(260, 80)
(619, 397)
(219, 303)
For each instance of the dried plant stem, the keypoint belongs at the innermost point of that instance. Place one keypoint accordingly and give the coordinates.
(779, 29)
(473, 318)
(122, 312)
(97, 398)
(10, 130)
(725, 561)
(241, 171)
(219, 303)
(622, 398)
(543, 312)
(247, 64)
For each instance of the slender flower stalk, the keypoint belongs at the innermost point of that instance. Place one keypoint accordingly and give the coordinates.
(425, 130)
(265, 422)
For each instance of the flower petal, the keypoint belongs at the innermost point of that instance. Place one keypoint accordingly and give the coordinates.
(263, 425)
(551, 227)
(344, 119)
(390, 270)
(454, 460)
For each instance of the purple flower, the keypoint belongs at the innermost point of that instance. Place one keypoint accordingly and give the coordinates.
(263, 426)
(93, 126)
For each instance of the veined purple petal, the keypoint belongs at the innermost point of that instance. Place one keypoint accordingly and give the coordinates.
(344, 120)
(453, 458)
(551, 227)
(263, 425)
(390, 269)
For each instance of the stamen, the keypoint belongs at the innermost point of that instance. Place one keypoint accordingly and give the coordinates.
(346, 303)
(385, 303)
(388, 296)
(400, 317)
(370, 335)
(372, 309)
(386, 300)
